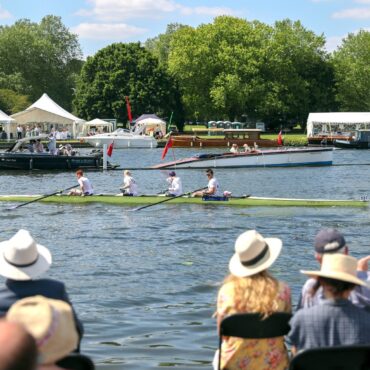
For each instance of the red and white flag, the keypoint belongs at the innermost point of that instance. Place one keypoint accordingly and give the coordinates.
(167, 146)
(129, 115)
(110, 149)
(280, 139)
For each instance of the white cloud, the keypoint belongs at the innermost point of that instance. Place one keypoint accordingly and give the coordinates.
(115, 10)
(4, 14)
(333, 42)
(354, 13)
(102, 31)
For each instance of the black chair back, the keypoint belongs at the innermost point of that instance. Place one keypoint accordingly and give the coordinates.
(252, 326)
(333, 358)
(76, 361)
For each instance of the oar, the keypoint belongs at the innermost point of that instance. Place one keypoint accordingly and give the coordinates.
(37, 199)
(167, 200)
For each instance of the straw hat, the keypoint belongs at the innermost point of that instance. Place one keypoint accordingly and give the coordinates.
(253, 253)
(339, 267)
(21, 258)
(50, 322)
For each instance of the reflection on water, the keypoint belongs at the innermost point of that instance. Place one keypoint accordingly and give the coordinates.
(145, 283)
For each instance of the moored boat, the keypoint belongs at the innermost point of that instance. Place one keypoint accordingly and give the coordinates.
(257, 158)
(152, 199)
(19, 157)
(361, 140)
(231, 136)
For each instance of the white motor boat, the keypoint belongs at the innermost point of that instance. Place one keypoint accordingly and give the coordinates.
(122, 138)
(257, 158)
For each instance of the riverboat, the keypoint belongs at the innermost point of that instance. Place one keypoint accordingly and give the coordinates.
(361, 140)
(244, 201)
(287, 157)
(230, 137)
(327, 139)
(19, 157)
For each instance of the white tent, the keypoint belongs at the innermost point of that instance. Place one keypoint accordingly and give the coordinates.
(6, 121)
(337, 122)
(96, 123)
(45, 111)
(147, 123)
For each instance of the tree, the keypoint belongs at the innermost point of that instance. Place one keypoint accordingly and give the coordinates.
(11, 102)
(352, 72)
(121, 70)
(39, 58)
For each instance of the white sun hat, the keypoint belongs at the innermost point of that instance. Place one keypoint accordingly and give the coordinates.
(21, 258)
(253, 253)
(337, 266)
(50, 322)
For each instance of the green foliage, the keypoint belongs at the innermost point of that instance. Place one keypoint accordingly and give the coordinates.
(37, 58)
(11, 102)
(234, 68)
(352, 72)
(121, 70)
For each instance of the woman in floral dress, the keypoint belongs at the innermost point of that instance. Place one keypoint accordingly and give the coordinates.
(251, 288)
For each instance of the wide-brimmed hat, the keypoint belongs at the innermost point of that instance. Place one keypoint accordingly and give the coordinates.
(337, 266)
(21, 258)
(253, 253)
(50, 322)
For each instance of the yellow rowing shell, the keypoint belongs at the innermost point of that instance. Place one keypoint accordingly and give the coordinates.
(142, 200)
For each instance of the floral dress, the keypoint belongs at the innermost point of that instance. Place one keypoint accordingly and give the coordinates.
(259, 354)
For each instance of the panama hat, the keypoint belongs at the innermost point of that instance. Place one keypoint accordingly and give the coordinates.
(21, 258)
(253, 253)
(50, 322)
(339, 267)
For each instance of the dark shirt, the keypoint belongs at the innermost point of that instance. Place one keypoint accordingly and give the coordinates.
(330, 323)
(13, 290)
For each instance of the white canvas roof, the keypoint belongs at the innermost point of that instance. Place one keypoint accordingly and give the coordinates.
(326, 122)
(98, 122)
(36, 112)
(4, 118)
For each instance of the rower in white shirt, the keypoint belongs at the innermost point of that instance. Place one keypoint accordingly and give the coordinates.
(129, 187)
(213, 187)
(175, 186)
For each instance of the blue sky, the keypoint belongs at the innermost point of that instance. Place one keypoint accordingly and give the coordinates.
(101, 22)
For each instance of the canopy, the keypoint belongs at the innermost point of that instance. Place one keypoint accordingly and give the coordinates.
(6, 120)
(46, 111)
(147, 123)
(98, 123)
(337, 121)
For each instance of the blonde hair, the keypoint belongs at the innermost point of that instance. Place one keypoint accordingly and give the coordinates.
(257, 293)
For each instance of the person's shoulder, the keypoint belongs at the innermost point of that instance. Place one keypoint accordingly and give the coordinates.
(57, 284)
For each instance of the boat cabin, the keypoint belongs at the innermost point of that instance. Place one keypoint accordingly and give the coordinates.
(250, 134)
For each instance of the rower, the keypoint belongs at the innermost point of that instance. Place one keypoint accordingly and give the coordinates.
(85, 185)
(175, 186)
(129, 187)
(213, 187)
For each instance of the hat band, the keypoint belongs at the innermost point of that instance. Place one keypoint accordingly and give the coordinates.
(53, 326)
(256, 259)
(19, 264)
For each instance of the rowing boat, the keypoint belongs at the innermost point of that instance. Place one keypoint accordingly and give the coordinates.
(151, 199)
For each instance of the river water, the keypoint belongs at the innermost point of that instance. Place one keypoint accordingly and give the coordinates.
(145, 283)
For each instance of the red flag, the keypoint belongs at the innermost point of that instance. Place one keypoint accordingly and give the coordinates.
(129, 115)
(110, 149)
(167, 146)
(280, 139)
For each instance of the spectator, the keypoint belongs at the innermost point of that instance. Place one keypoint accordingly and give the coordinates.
(332, 241)
(234, 149)
(19, 132)
(251, 288)
(336, 321)
(18, 349)
(22, 260)
(50, 322)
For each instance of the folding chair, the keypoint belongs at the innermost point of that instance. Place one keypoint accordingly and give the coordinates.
(252, 326)
(76, 361)
(356, 357)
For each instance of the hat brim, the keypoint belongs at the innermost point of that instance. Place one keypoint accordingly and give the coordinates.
(342, 276)
(42, 264)
(238, 269)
